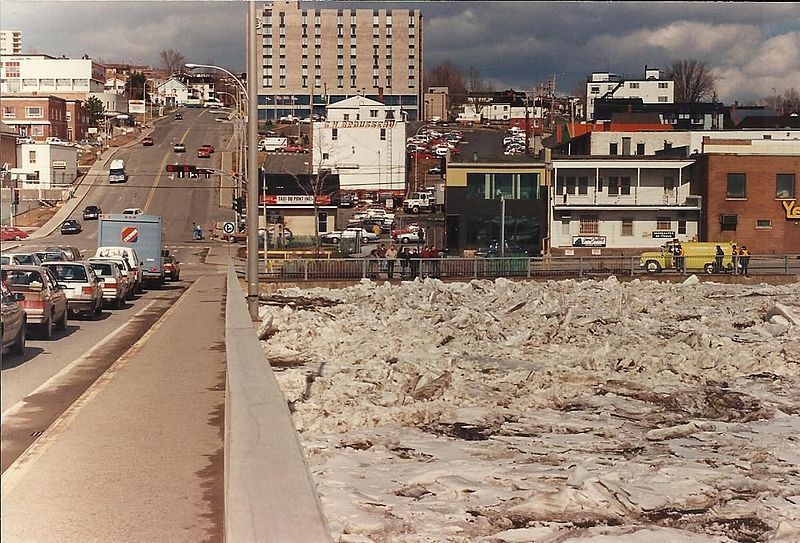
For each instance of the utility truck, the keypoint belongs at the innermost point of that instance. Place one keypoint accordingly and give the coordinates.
(142, 233)
(428, 200)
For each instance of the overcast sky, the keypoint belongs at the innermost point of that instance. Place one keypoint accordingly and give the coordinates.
(753, 47)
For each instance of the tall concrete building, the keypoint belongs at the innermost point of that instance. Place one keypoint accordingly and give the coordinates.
(315, 57)
(10, 42)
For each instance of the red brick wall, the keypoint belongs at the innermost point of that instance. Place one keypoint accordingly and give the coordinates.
(54, 112)
(760, 202)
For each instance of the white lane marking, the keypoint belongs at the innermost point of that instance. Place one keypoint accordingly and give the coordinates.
(16, 471)
(67, 369)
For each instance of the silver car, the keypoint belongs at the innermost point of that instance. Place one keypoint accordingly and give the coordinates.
(82, 286)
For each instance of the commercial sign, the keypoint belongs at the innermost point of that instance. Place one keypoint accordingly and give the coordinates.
(359, 124)
(666, 234)
(129, 234)
(59, 164)
(588, 241)
(792, 209)
(305, 200)
(136, 106)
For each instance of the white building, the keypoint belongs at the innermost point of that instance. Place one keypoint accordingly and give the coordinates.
(172, 92)
(115, 104)
(621, 203)
(115, 84)
(44, 166)
(10, 42)
(364, 142)
(43, 74)
(651, 88)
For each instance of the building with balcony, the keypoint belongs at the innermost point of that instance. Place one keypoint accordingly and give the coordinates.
(621, 205)
(10, 42)
(479, 193)
(43, 74)
(750, 193)
(315, 57)
(39, 117)
(364, 142)
(651, 87)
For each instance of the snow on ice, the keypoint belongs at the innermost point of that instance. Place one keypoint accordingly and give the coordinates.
(570, 411)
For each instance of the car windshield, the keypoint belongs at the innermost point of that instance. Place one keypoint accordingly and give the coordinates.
(50, 256)
(27, 280)
(22, 259)
(70, 273)
(104, 270)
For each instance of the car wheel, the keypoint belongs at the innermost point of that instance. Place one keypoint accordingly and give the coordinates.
(61, 324)
(652, 266)
(415, 209)
(709, 268)
(46, 328)
(19, 344)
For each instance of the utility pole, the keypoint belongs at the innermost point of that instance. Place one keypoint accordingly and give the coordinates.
(252, 158)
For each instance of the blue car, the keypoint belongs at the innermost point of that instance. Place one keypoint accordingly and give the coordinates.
(71, 226)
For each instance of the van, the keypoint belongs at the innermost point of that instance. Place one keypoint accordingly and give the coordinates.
(699, 256)
(269, 144)
(117, 173)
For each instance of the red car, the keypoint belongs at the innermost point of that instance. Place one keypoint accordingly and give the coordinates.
(203, 152)
(422, 156)
(12, 233)
(292, 149)
(209, 147)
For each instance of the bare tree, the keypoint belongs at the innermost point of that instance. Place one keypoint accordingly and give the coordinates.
(448, 74)
(475, 82)
(694, 80)
(173, 61)
(783, 104)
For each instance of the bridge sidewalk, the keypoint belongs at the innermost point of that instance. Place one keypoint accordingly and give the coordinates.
(139, 457)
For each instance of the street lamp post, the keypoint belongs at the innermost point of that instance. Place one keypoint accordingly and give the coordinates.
(252, 155)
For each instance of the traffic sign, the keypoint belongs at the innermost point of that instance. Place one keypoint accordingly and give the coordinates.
(229, 228)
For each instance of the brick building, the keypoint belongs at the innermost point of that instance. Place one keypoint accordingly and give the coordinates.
(750, 193)
(36, 116)
(77, 120)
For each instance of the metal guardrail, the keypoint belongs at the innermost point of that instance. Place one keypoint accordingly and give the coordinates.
(474, 268)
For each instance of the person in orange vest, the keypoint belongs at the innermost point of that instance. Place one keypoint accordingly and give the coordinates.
(680, 259)
(744, 259)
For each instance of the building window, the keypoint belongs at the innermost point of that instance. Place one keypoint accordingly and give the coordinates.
(640, 148)
(663, 85)
(34, 111)
(663, 223)
(590, 224)
(613, 148)
(566, 185)
(594, 90)
(784, 186)
(736, 186)
(663, 99)
(9, 112)
(334, 133)
(633, 85)
(763, 223)
(583, 185)
(682, 228)
(32, 157)
(317, 82)
(669, 183)
(37, 130)
(627, 227)
(322, 222)
(268, 82)
(728, 222)
(383, 134)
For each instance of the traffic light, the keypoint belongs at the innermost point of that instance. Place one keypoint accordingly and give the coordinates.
(238, 205)
(183, 170)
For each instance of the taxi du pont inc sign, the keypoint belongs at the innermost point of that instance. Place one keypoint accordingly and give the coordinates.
(295, 200)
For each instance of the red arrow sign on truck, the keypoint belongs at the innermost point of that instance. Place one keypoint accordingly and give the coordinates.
(130, 234)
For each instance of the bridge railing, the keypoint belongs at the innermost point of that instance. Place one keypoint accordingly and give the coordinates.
(474, 268)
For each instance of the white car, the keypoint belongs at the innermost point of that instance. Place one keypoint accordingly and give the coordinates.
(25, 139)
(82, 286)
(128, 254)
(132, 211)
(125, 269)
(112, 281)
(52, 140)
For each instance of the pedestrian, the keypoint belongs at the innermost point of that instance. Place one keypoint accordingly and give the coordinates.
(433, 254)
(735, 259)
(382, 256)
(720, 254)
(414, 263)
(424, 255)
(744, 260)
(405, 261)
(372, 264)
(279, 235)
(680, 259)
(391, 258)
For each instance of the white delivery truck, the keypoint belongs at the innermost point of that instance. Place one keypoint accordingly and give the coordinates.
(117, 173)
(272, 143)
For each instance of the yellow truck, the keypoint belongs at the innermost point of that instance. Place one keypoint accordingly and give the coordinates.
(699, 256)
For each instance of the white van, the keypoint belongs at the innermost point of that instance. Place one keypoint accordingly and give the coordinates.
(272, 143)
(117, 173)
(130, 255)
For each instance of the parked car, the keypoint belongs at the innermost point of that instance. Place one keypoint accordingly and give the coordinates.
(178, 116)
(91, 213)
(125, 269)
(132, 211)
(179, 148)
(112, 282)
(409, 235)
(147, 141)
(332, 238)
(56, 255)
(172, 268)
(292, 149)
(23, 258)
(366, 235)
(72, 253)
(25, 139)
(493, 250)
(44, 300)
(52, 140)
(435, 170)
(12, 233)
(71, 226)
(82, 286)
(203, 153)
(12, 320)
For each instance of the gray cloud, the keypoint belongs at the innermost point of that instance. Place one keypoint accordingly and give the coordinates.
(752, 47)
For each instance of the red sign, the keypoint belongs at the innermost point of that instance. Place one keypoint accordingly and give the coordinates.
(130, 234)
